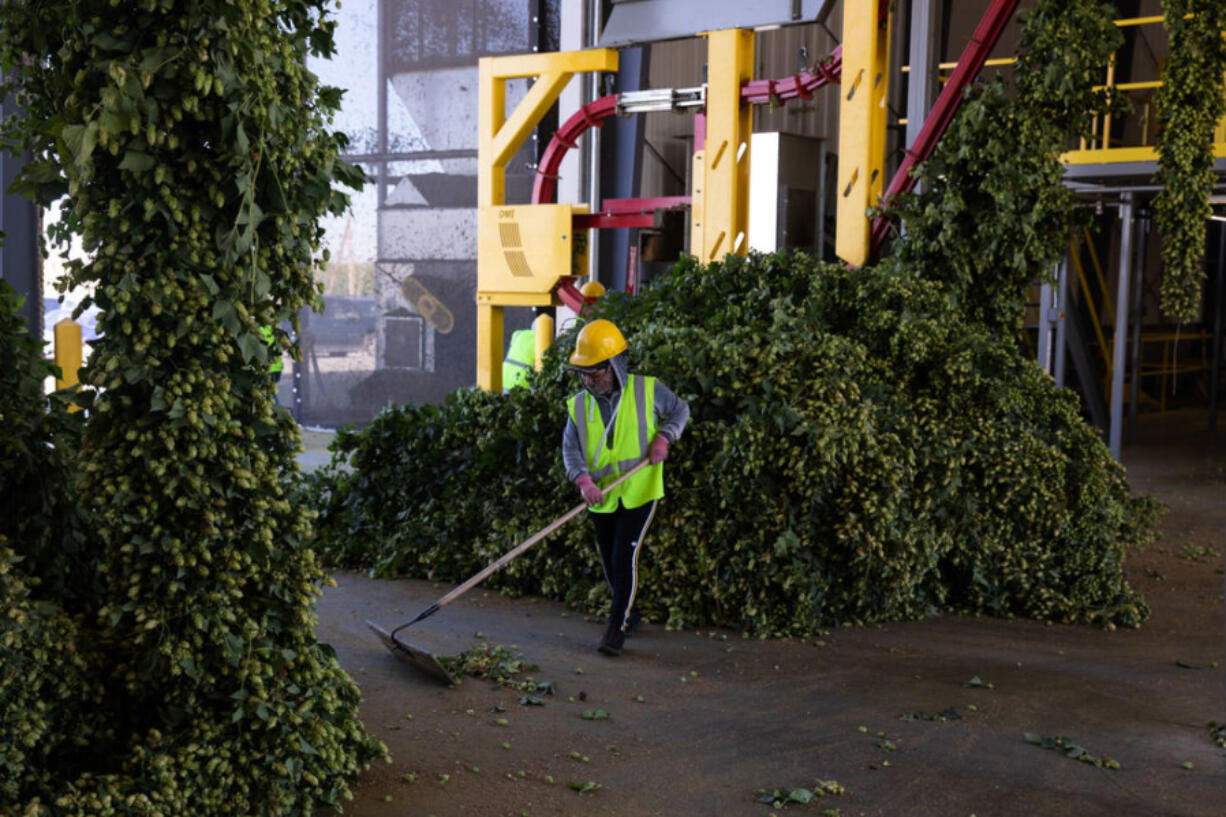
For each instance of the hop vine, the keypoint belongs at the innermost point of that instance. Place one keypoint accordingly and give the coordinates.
(192, 151)
(1190, 103)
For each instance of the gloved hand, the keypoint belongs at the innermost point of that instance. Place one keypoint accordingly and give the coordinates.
(592, 494)
(658, 450)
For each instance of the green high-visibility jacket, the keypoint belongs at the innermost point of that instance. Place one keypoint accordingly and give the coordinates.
(520, 358)
(275, 364)
(634, 427)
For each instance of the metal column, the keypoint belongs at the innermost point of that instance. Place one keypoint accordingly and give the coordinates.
(1220, 304)
(1047, 327)
(1061, 326)
(862, 126)
(590, 185)
(19, 259)
(923, 59)
(1134, 386)
(1120, 342)
(621, 152)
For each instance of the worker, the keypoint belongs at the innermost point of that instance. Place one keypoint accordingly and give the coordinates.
(275, 363)
(612, 423)
(521, 355)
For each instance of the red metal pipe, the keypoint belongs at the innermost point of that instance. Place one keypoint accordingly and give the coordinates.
(611, 221)
(593, 113)
(575, 300)
(616, 213)
(613, 207)
(756, 92)
(802, 85)
(942, 113)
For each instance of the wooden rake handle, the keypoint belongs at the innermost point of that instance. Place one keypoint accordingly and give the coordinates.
(518, 549)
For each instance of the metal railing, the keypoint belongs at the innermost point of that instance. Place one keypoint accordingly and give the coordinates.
(1138, 144)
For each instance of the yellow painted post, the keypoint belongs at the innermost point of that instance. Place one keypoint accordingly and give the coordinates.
(489, 345)
(67, 352)
(725, 193)
(543, 330)
(862, 126)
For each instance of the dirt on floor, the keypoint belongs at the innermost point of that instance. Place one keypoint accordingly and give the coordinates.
(920, 718)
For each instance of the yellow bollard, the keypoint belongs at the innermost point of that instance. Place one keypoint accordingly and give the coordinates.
(67, 353)
(542, 327)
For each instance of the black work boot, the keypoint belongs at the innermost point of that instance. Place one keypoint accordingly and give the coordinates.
(611, 643)
(635, 621)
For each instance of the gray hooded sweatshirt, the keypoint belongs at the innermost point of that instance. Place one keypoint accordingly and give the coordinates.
(672, 414)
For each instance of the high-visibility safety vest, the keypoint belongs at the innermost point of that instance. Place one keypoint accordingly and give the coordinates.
(275, 364)
(634, 427)
(520, 358)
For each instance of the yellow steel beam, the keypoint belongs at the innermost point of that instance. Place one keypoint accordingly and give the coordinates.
(517, 66)
(489, 346)
(1137, 154)
(1103, 155)
(723, 215)
(531, 109)
(1132, 86)
(516, 298)
(492, 113)
(946, 66)
(501, 135)
(862, 126)
(1138, 21)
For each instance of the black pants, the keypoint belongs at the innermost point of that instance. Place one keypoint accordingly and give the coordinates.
(619, 535)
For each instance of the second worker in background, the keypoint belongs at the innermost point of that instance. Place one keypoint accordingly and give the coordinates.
(617, 419)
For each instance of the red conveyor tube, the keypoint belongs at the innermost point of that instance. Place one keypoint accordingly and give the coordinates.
(593, 113)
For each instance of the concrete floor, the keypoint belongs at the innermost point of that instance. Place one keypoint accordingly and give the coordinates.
(702, 721)
(315, 454)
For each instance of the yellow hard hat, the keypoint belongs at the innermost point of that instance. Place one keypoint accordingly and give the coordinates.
(599, 341)
(592, 289)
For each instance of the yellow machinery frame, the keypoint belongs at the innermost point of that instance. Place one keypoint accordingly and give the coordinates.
(525, 249)
(522, 249)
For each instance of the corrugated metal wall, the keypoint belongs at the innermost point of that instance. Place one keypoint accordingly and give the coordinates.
(786, 51)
